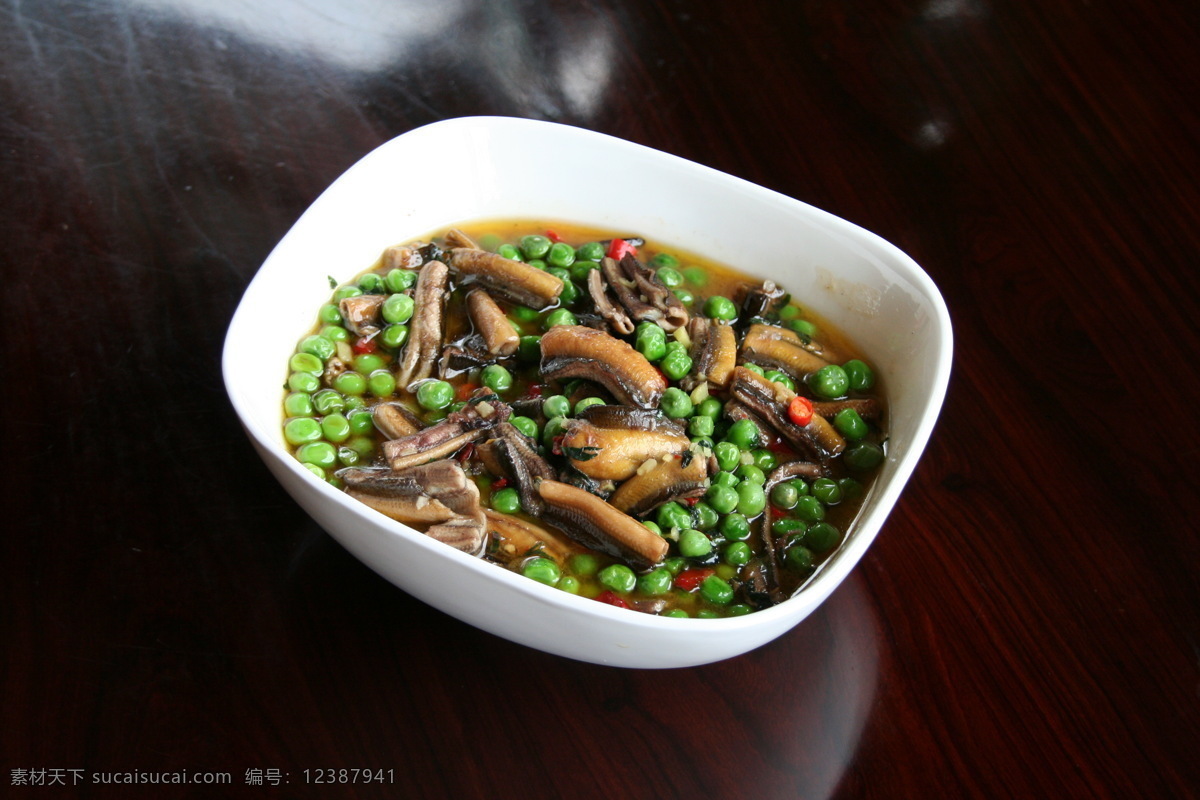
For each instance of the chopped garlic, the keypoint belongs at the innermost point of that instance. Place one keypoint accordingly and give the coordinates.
(681, 336)
(344, 352)
(485, 409)
(700, 393)
(646, 466)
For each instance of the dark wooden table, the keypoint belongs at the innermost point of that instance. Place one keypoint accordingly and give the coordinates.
(1027, 624)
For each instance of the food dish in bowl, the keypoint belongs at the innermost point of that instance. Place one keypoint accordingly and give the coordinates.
(486, 168)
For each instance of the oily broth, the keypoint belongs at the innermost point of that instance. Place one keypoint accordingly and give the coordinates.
(720, 279)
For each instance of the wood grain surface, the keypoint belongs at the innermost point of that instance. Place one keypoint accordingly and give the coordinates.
(1027, 623)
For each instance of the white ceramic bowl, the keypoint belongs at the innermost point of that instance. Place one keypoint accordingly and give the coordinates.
(490, 167)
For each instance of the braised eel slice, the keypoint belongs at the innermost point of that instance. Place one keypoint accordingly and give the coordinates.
(575, 351)
(514, 280)
(427, 326)
(594, 523)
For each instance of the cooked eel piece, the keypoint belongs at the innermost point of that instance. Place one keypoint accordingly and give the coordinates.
(470, 424)
(361, 313)
(491, 323)
(769, 346)
(456, 238)
(713, 352)
(759, 301)
(666, 480)
(403, 256)
(617, 453)
(512, 454)
(462, 533)
(574, 351)
(427, 326)
(594, 523)
(867, 407)
(674, 312)
(394, 420)
(426, 493)
(769, 401)
(616, 317)
(514, 537)
(515, 280)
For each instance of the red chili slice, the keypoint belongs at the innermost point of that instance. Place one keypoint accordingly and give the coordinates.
(612, 598)
(364, 345)
(689, 579)
(800, 410)
(554, 237)
(465, 391)
(619, 247)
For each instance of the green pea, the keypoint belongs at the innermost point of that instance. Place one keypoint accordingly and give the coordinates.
(569, 584)
(398, 280)
(350, 382)
(728, 454)
(529, 349)
(784, 496)
(509, 251)
(675, 612)
(670, 277)
(355, 403)
(321, 454)
(368, 363)
(561, 255)
(434, 395)
(705, 516)
(716, 590)
(827, 491)
(506, 500)
(318, 346)
(801, 485)
(851, 489)
(675, 403)
(569, 294)
(744, 434)
(298, 404)
(335, 427)
(349, 457)
(559, 316)
(335, 333)
(525, 313)
(718, 307)
(303, 382)
(361, 422)
(829, 381)
(329, 314)
(701, 426)
(727, 479)
(799, 558)
(360, 443)
(664, 260)
(525, 425)
(676, 564)
(393, 336)
(737, 554)
(301, 430)
(583, 564)
(327, 401)
(697, 276)
(735, 527)
(787, 525)
(694, 544)
(617, 577)
(371, 283)
(306, 362)
(722, 498)
(756, 369)
(497, 378)
(397, 308)
(542, 570)
(346, 292)
(850, 424)
(591, 251)
(862, 456)
(315, 470)
(535, 246)
(586, 403)
(650, 340)
(675, 365)
(861, 376)
(737, 610)
(655, 582)
(822, 537)
(751, 474)
(537, 263)
(803, 328)
(581, 268)
(685, 297)
(784, 380)
(751, 498)
(710, 407)
(556, 405)
(809, 508)
(552, 430)
(789, 312)
(381, 383)
(764, 459)
(672, 515)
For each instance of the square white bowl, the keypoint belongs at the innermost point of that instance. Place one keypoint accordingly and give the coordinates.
(481, 168)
